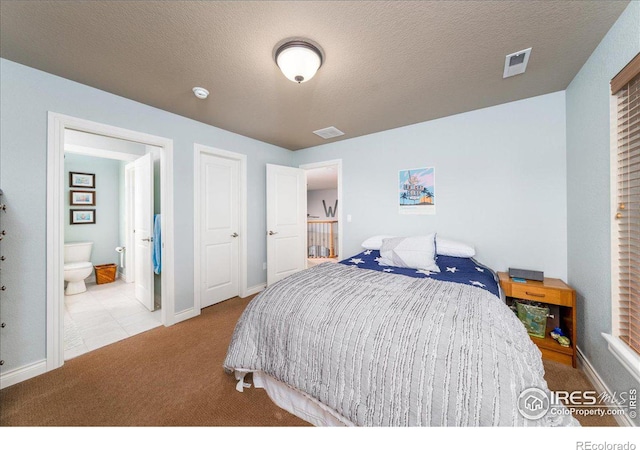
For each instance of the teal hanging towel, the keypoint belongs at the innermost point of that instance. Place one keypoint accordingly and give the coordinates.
(157, 245)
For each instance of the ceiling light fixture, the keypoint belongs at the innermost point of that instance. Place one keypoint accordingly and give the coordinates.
(298, 60)
(200, 92)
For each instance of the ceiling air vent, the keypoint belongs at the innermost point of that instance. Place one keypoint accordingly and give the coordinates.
(516, 63)
(328, 133)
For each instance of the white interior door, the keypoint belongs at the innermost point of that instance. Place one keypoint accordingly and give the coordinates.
(129, 225)
(219, 225)
(143, 230)
(286, 221)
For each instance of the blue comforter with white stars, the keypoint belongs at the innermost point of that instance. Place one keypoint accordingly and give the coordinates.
(456, 270)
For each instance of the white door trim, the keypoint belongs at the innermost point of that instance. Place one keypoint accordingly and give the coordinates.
(57, 123)
(338, 163)
(198, 150)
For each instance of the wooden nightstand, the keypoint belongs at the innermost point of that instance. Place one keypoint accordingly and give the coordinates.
(561, 300)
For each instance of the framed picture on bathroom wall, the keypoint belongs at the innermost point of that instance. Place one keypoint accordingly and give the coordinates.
(82, 216)
(82, 198)
(85, 180)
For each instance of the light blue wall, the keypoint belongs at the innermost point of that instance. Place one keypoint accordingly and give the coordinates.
(589, 202)
(26, 95)
(105, 233)
(500, 182)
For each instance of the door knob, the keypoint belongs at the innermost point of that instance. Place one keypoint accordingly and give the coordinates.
(271, 233)
(235, 235)
(147, 239)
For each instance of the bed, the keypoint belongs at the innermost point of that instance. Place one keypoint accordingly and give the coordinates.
(357, 343)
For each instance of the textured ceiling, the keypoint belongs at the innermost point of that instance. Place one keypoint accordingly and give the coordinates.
(388, 63)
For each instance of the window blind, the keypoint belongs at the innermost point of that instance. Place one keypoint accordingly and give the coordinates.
(628, 200)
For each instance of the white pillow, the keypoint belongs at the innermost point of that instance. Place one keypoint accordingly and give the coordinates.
(375, 242)
(416, 252)
(447, 247)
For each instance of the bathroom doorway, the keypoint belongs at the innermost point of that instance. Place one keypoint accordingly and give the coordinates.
(111, 205)
(73, 141)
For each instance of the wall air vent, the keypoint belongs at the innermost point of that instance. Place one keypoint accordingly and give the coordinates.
(328, 133)
(516, 63)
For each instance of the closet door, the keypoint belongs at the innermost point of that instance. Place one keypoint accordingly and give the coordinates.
(219, 221)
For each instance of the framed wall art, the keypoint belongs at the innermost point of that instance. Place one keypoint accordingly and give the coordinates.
(82, 198)
(82, 216)
(416, 191)
(84, 180)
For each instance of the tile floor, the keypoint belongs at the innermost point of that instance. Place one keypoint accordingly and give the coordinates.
(102, 315)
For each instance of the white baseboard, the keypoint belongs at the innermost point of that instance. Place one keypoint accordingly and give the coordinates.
(193, 312)
(23, 373)
(186, 315)
(255, 289)
(601, 387)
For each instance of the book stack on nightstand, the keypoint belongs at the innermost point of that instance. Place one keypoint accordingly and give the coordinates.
(561, 300)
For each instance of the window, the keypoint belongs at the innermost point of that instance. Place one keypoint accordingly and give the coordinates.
(625, 88)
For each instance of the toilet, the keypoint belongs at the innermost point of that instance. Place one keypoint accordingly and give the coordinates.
(77, 266)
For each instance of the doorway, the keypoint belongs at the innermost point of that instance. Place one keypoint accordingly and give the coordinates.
(60, 127)
(101, 305)
(220, 226)
(288, 226)
(324, 207)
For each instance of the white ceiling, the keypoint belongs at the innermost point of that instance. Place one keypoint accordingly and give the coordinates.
(322, 178)
(388, 63)
(80, 141)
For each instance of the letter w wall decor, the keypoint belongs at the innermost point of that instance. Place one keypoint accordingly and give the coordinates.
(330, 212)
